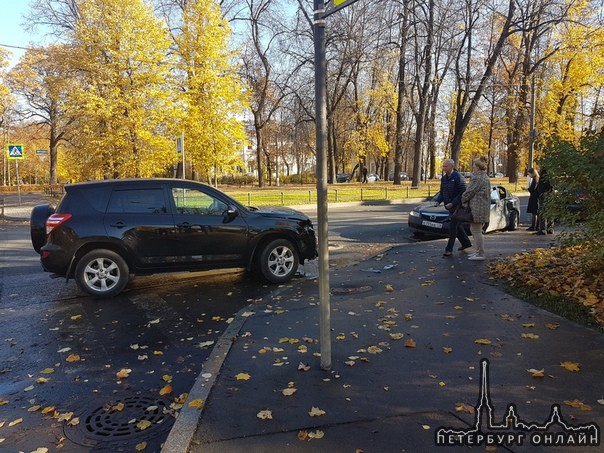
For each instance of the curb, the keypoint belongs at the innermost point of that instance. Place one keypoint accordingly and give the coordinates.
(184, 428)
(181, 434)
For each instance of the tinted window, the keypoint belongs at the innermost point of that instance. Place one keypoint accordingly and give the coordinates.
(140, 201)
(195, 202)
(97, 197)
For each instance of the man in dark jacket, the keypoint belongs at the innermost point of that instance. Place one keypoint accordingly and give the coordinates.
(452, 185)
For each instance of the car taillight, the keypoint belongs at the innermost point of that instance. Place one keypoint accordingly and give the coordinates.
(55, 220)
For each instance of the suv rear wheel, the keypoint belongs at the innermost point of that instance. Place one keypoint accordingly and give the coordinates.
(279, 261)
(102, 273)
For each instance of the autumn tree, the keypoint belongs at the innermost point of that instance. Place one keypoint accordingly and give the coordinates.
(41, 79)
(213, 96)
(123, 89)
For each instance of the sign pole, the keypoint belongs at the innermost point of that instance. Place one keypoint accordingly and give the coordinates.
(18, 182)
(321, 141)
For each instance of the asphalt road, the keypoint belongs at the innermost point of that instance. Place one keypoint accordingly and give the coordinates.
(108, 366)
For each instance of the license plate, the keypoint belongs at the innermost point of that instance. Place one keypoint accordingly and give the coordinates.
(432, 224)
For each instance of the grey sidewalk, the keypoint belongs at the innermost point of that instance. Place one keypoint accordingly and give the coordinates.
(405, 353)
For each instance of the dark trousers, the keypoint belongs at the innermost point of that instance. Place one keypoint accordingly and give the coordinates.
(457, 231)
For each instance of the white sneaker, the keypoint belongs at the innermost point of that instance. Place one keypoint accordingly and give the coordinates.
(476, 257)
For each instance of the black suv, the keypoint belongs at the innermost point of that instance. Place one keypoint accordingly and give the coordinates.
(103, 231)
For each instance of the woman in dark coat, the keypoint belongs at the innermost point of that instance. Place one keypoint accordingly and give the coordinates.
(533, 202)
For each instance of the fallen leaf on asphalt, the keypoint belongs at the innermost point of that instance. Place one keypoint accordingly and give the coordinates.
(180, 399)
(427, 283)
(302, 348)
(27, 389)
(408, 317)
(155, 321)
(196, 403)
(447, 350)
(442, 384)
(48, 410)
(316, 412)
(205, 344)
(373, 350)
(265, 415)
(288, 391)
(396, 336)
(552, 326)
(65, 417)
(471, 299)
(350, 363)
(47, 371)
(303, 367)
(123, 373)
(141, 446)
(570, 366)
(40, 450)
(3, 402)
(71, 358)
(15, 422)
(426, 427)
(601, 402)
(578, 404)
(463, 407)
(410, 343)
(528, 325)
(119, 407)
(530, 336)
(537, 373)
(389, 288)
(167, 378)
(166, 390)
(340, 337)
(158, 353)
(143, 424)
(75, 317)
(243, 377)
(74, 421)
(42, 380)
(34, 408)
(458, 307)
(483, 341)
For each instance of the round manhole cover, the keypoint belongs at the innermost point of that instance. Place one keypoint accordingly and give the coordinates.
(350, 289)
(121, 420)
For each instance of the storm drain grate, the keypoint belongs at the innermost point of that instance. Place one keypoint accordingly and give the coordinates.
(350, 289)
(122, 420)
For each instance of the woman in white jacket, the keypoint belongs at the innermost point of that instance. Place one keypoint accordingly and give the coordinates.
(478, 195)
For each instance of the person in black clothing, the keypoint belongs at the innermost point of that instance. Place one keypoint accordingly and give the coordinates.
(533, 201)
(452, 186)
(543, 187)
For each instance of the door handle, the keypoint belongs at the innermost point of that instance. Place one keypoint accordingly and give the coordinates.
(184, 225)
(118, 225)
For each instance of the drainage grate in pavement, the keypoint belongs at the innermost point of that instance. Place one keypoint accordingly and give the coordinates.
(120, 421)
(350, 289)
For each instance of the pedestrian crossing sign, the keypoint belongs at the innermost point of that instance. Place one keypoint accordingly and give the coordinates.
(14, 151)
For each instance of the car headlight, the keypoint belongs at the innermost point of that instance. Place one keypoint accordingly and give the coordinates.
(414, 214)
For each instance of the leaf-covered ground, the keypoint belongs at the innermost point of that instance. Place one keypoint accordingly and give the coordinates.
(557, 277)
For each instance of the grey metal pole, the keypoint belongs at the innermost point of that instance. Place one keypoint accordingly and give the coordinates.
(321, 141)
(532, 132)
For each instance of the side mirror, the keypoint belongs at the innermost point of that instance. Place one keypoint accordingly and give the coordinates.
(230, 213)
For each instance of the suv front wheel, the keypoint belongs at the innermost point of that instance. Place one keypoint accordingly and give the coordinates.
(279, 261)
(102, 273)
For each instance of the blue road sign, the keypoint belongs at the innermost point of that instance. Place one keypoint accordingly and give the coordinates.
(14, 151)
